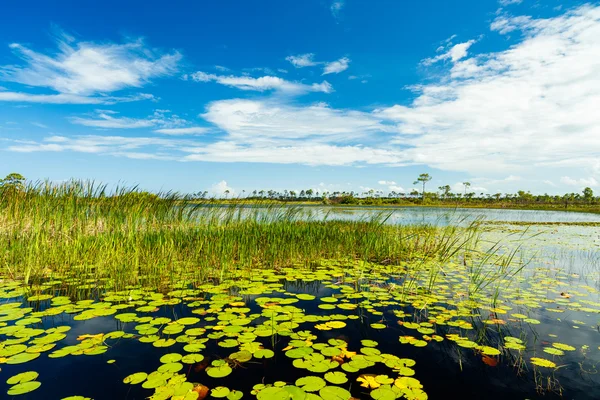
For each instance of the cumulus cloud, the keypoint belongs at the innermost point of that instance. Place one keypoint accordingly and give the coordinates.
(386, 182)
(263, 83)
(80, 71)
(221, 189)
(335, 67)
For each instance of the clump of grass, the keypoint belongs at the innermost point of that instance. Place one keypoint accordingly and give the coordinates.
(129, 237)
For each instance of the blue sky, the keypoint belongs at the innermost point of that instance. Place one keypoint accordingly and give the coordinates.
(330, 95)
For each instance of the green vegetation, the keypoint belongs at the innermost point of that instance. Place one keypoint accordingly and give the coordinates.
(132, 236)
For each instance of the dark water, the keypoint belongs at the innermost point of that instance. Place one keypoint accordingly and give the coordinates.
(437, 365)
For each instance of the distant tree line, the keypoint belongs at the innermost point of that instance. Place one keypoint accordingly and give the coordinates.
(14, 183)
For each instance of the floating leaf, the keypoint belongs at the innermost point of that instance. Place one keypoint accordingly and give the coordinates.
(23, 388)
(336, 377)
(542, 362)
(22, 377)
(136, 378)
(311, 383)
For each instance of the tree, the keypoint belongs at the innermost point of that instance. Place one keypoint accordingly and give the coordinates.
(12, 183)
(466, 185)
(14, 180)
(423, 179)
(588, 194)
(445, 191)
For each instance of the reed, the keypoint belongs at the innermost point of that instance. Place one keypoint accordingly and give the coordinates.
(128, 237)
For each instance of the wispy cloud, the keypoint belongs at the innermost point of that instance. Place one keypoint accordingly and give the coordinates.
(509, 2)
(336, 8)
(65, 98)
(262, 84)
(256, 119)
(109, 145)
(330, 67)
(581, 182)
(80, 71)
(106, 119)
(452, 52)
(303, 60)
(335, 67)
(194, 130)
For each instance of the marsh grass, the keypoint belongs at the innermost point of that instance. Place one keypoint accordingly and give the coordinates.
(128, 237)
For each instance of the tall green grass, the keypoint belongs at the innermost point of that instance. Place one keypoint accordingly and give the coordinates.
(127, 237)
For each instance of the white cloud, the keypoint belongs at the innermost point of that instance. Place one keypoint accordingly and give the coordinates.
(86, 68)
(39, 125)
(459, 187)
(301, 153)
(582, 182)
(506, 24)
(65, 98)
(330, 67)
(386, 182)
(335, 67)
(509, 2)
(268, 119)
(111, 145)
(263, 83)
(454, 53)
(530, 107)
(104, 119)
(396, 188)
(219, 189)
(303, 60)
(194, 130)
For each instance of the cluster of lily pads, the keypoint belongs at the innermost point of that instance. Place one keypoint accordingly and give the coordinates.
(258, 316)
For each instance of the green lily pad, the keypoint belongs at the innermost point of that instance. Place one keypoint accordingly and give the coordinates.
(23, 388)
(336, 377)
(220, 392)
(311, 383)
(22, 358)
(218, 369)
(334, 393)
(22, 377)
(136, 378)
